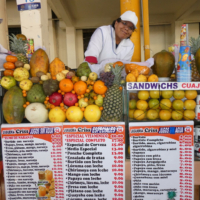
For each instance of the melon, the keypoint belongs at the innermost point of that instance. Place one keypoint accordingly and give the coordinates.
(164, 63)
(13, 101)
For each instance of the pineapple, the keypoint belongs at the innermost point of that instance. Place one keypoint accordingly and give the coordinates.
(112, 104)
(195, 45)
(19, 47)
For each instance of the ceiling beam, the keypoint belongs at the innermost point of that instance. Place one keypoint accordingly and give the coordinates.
(185, 10)
(61, 11)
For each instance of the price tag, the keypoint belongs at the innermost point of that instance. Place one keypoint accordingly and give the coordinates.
(162, 160)
(28, 4)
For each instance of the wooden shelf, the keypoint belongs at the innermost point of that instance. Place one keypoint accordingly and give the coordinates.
(196, 171)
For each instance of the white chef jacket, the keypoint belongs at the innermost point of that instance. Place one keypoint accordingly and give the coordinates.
(102, 45)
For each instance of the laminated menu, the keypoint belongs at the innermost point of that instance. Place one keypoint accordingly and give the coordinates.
(162, 160)
(56, 161)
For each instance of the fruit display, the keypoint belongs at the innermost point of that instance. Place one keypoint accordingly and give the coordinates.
(163, 105)
(43, 92)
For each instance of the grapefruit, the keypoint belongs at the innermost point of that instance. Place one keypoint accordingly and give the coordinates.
(131, 113)
(191, 94)
(57, 115)
(167, 94)
(165, 115)
(177, 104)
(155, 94)
(74, 114)
(139, 115)
(177, 115)
(189, 115)
(152, 114)
(92, 113)
(132, 104)
(189, 104)
(153, 103)
(142, 105)
(165, 104)
(143, 95)
(179, 94)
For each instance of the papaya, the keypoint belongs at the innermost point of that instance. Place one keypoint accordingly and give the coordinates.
(39, 62)
(164, 63)
(56, 66)
(13, 101)
(197, 60)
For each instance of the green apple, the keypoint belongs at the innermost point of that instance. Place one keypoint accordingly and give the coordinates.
(93, 76)
(7, 82)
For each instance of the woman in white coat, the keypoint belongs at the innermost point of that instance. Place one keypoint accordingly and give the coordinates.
(113, 41)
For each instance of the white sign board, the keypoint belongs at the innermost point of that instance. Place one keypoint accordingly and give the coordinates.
(28, 4)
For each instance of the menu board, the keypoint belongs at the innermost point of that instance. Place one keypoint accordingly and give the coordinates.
(56, 161)
(162, 160)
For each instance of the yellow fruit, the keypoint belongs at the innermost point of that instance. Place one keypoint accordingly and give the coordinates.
(131, 113)
(141, 78)
(152, 114)
(57, 115)
(92, 113)
(139, 115)
(165, 104)
(153, 78)
(177, 104)
(167, 94)
(177, 115)
(143, 95)
(189, 115)
(153, 103)
(190, 94)
(189, 104)
(132, 104)
(155, 94)
(165, 115)
(142, 105)
(74, 114)
(179, 94)
(130, 78)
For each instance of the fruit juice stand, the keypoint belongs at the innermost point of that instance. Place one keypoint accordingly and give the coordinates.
(64, 133)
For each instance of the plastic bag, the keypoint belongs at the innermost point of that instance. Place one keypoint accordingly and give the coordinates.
(100, 67)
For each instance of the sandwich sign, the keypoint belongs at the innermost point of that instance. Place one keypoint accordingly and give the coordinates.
(28, 4)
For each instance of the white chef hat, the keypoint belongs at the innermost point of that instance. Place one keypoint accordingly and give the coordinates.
(130, 16)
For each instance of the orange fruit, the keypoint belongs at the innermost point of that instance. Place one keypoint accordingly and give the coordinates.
(155, 94)
(135, 72)
(165, 104)
(179, 94)
(80, 87)
(189, 104)
(143, 95)
(177, 115)
(153, 78)
(177, 104)
(165, 115)
(152, 114)
(141, 78)
(139, 114)
(189, 115)
(66, 85)
(130, 78)
(167, 94)
(153, 103)
(141, 105)
(119, 63)
(190, 94)
(131, 113)
(99, 87)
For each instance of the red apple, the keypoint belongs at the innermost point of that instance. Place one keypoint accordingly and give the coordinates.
(70, 74)
(55, 98)
(70, 99)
